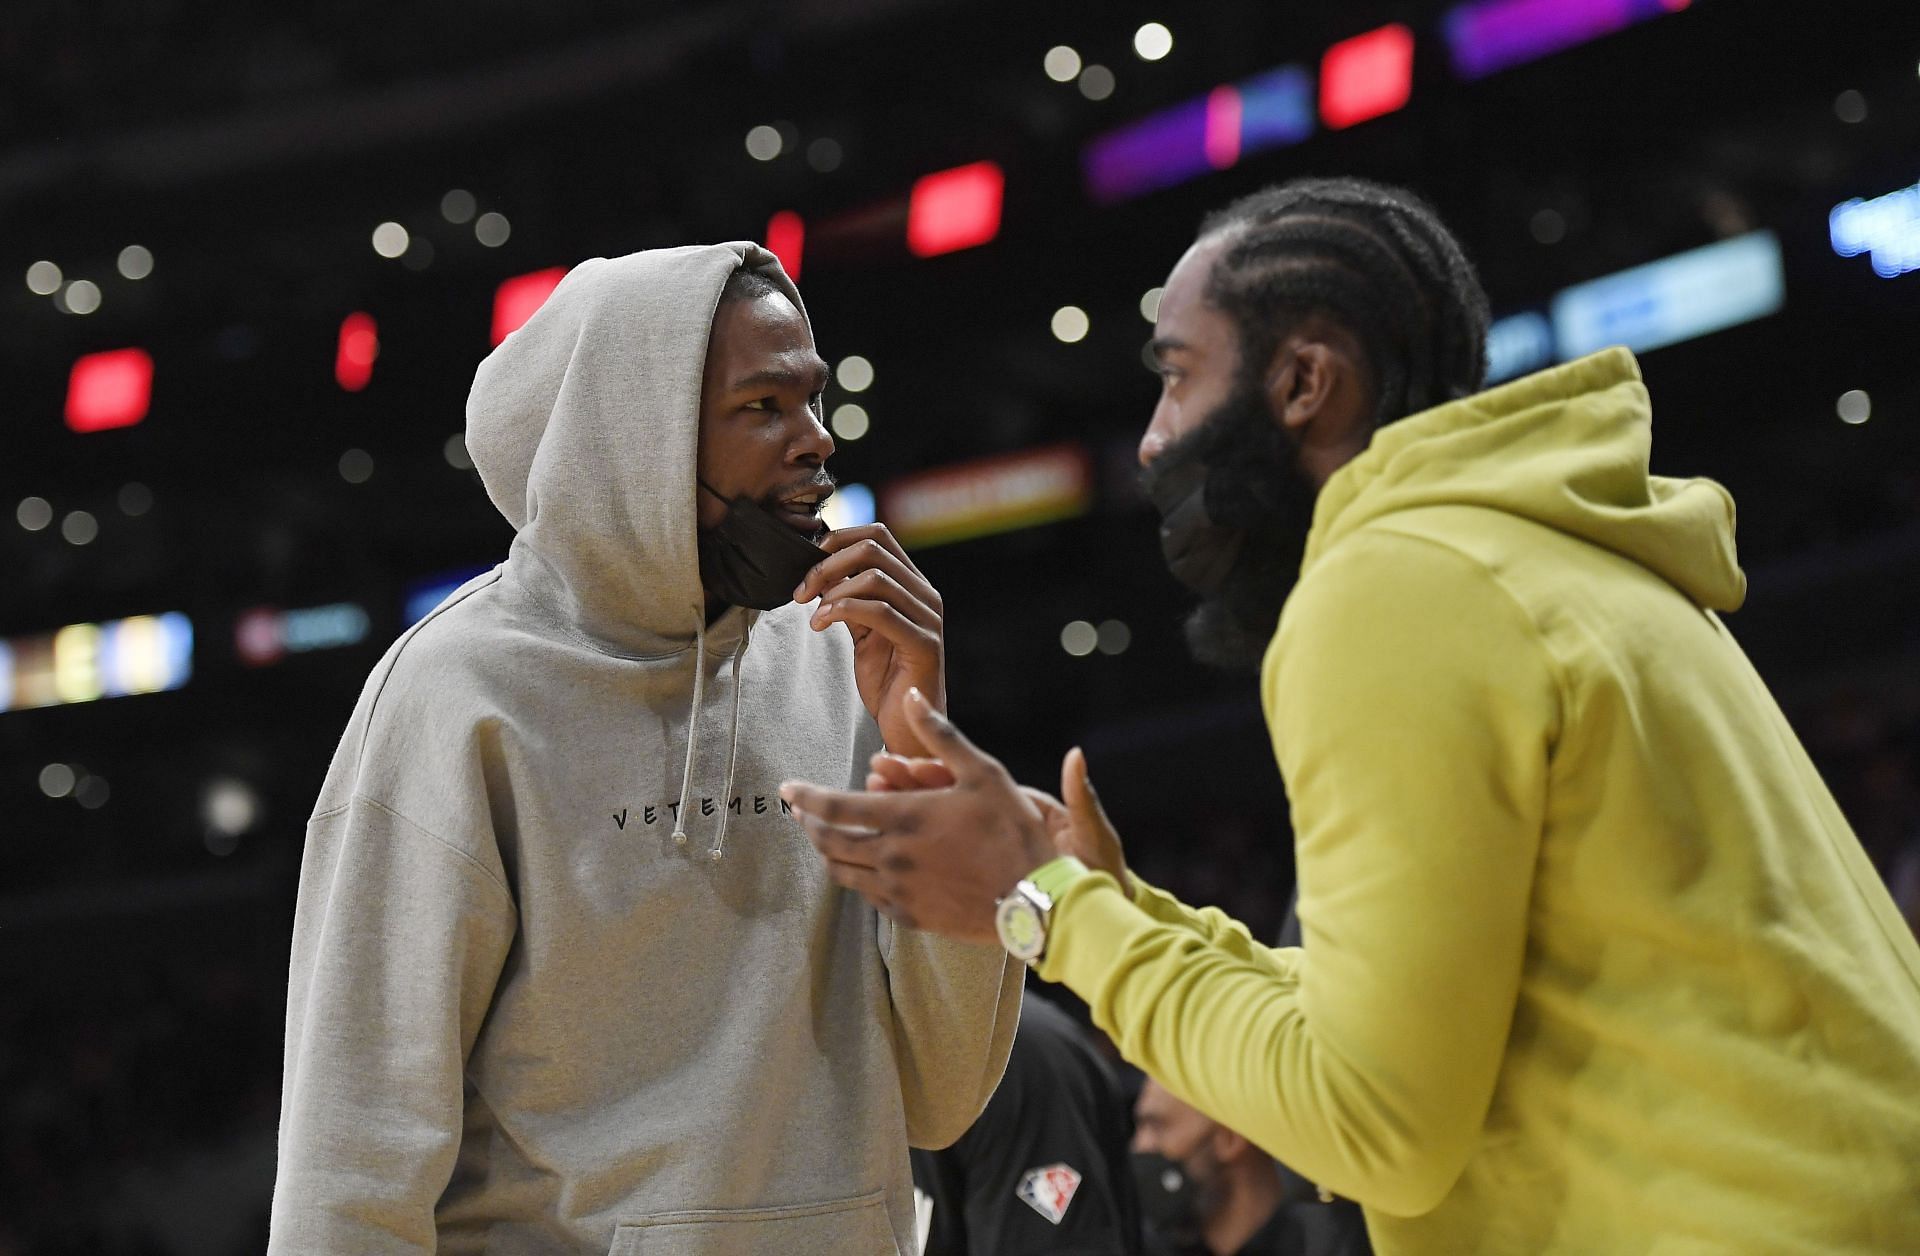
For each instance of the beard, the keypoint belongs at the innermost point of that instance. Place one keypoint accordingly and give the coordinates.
(1254, 484)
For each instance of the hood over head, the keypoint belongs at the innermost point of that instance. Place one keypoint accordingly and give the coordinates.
(584, 425)
(1568, 448)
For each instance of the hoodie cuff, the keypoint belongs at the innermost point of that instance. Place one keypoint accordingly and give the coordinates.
(1090, 918)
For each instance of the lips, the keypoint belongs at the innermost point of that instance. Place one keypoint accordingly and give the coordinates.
(801, 511)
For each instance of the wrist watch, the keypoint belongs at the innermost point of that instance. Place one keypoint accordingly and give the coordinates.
(1021, 921)
(1022, 917)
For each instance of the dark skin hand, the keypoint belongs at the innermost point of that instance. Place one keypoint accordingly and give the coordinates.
(894, 614)
(938, 843)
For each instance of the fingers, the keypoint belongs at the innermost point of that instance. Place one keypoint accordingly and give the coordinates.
(896, 629)
(902, 773)
(869, 547)
(848, 817)
(877, 586)
(937, 733)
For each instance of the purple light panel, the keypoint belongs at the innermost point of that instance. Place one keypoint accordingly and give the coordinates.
(1486, 36)
(1199, 136)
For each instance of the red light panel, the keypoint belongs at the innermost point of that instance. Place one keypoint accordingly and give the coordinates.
(1366, 76)
(515, 301)
(955, 209)
(108, 390)
(359, 346)
(786, 233)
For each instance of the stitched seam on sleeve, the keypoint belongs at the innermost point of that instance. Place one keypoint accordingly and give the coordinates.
(485, 872)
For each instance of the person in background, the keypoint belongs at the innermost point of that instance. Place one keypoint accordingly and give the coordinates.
(1044, 1171)
(1209, 1191)
(1592, 961)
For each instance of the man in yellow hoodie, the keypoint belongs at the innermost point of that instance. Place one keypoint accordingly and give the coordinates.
(1591, 962)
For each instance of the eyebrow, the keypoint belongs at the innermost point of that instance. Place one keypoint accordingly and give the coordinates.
(816, 374)
(1160, 345)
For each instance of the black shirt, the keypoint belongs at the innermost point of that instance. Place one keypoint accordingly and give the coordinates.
(1045, 1168)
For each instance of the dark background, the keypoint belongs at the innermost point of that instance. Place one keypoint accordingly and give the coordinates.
(253, 149)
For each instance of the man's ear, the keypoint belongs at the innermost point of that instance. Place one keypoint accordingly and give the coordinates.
(1229, 1144)
(1299, 381)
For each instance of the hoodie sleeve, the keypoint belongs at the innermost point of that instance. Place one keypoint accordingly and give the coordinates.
(955, 1009)
(1412, 706)
(399, 937)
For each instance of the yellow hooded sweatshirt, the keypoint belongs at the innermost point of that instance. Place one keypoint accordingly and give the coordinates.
(1592, 962)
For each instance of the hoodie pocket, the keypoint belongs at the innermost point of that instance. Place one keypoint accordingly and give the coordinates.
(838, 1227)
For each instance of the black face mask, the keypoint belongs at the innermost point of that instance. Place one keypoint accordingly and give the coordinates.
(1235, 512)
(1199, 551)
(752, 559)
(1169, 1199)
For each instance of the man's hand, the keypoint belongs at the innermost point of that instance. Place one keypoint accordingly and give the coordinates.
(931, 858)
(868, 583)
(1079, 826)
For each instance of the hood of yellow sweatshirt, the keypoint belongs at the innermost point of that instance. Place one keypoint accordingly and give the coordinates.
(1566, 448)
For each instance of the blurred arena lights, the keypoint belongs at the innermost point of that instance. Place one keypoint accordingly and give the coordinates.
(356, 466)
(454, 450)
(1366, 76)
(851, 506)
(1854, 407)
(1114, 637)
(1674, 299)
(265, 635)
(1079, 638)
(359, 345)
(422, 595)
(1070, 324)
(1150, 304)
(786, 240)
(458, 206)
(492, 229)
(850, 421)
(1886, 227)
(229, 807)
(80, 528)
(135, 262)
(1518, 344)
(955, 209)
(109, 389)
(34, 513)
(86, 662)
(82, 296)
(390, 239)
(1061, 63)
(43, 278)
(1200, 135)
(516, 299)
(1486, 36)
(1096, 82)
(855, 373)
(764, 143)
(1152, 42)
(983, 496)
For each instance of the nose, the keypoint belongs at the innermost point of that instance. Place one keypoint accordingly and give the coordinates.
(1153, 442)
(812, 444)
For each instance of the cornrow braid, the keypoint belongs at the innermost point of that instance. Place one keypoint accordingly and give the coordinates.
(1377, 260)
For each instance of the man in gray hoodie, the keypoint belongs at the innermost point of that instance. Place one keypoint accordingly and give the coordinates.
(567, 975)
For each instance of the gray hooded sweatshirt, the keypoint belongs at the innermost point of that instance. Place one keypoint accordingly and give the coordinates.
(523, 1017)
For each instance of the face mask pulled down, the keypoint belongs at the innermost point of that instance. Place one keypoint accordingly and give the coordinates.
(752, 559)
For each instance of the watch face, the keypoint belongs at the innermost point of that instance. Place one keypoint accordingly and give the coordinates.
(1021, 930)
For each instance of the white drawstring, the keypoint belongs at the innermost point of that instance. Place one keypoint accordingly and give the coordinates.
(693, 724)
(733, 755)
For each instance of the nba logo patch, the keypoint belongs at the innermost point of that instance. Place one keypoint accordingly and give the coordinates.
(1049, 1190)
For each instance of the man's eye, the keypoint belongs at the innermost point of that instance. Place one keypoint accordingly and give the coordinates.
(762, 403)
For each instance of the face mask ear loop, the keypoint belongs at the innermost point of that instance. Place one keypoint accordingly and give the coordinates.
(693, 725)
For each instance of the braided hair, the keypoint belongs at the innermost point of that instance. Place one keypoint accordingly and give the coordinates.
(1374, 258)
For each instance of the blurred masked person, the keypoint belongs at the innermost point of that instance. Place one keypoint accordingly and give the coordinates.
(566, 975)
(1591, 961)
(1207, 1190)
(1045, 1170)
